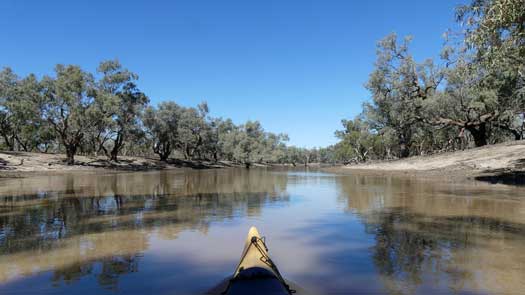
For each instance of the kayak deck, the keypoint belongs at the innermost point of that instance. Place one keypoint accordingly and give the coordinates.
(256, 272)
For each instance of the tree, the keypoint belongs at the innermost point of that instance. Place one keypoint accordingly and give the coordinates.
(20, 117)
(398, 86)
(162, 126)
(327, 155)
(274, 147)
(247, 148)
(358, 142)
(69, 106)
(295, 155)
(8, 81)
(30, 129)
(73, 112)
(465, 103)
(193, 129)
(495, 32)
(226, 134)
(120, 102)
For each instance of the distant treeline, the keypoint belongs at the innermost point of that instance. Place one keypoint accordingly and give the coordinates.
(474, 96)
(73, 112)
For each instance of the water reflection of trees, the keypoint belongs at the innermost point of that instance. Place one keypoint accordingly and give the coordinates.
(111, 268)
(428, 233)
(74, 222)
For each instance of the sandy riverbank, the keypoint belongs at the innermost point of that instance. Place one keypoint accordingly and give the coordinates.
(16, 164)
(500, 163)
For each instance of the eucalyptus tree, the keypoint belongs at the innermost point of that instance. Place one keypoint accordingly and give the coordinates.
(192, 129)
(226, 135)
(69, 106)
(358, 142)
(465, 103)
(247, 148)
(327, 155)
(120, 105)
(20, 105)
(274, 147)
(30, 129)
(485, 88)
(8, 81)
(495, 31)
(162, 127)
(211, 146)
(398, 86)
(296, 155)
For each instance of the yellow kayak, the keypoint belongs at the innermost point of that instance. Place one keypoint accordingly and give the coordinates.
(256, 272)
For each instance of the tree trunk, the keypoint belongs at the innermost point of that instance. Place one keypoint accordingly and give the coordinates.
(163, 150)
(114, 152)
(10, 143)
(22, 144)
(117, 146)
(114, 155)
(404, 150)
(517, 135)
(188, 154)
(164, 157)
(71, 150)
(479, 133)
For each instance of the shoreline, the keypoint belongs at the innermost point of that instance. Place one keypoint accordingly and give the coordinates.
(25, 164)
(500, 163)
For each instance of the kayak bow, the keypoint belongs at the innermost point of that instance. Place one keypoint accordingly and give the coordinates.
(256, 272)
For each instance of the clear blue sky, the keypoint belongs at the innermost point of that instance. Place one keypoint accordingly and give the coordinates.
(297, 66)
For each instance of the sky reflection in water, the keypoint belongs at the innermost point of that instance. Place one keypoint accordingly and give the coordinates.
(182, 232)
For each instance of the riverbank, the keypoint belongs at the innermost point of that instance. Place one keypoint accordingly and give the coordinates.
(18, 164)
(499, 163)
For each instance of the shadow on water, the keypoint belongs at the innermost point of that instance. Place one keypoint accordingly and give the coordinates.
(504, 176)
(98, 225)
(133, 165)
(3, 165)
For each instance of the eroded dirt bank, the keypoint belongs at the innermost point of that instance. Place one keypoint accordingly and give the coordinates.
(16, 164)
(500, 163)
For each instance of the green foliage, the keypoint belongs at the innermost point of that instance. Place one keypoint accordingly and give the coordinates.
(194, 131)
(358, 142)
(76, 113)
(495, 29)
(398, 86)
(20, 102)
(162, 127)
(120, 104)
(69, 106)
(475, 97)
(495, 32)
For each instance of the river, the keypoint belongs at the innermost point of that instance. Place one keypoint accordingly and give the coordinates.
(182, 232)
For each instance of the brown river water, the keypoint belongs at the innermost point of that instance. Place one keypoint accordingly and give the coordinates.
(182, 232)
